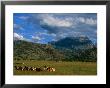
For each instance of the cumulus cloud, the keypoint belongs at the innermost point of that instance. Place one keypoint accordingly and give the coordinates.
(66, 22)
(59, 26)
(87, 21)
(56, 24)
(67, 26)
(91, 21)
(50, 20)
(18, 36)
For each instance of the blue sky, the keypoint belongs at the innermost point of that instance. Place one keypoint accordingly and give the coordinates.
(47, 27)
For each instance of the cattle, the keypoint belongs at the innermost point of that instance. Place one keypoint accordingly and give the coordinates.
(21, 68)
(50, 69)
(30, 68)
(45, 68)
(16, 67)
(34, 68)
(26, 68)
(38, 69)
(53, 69)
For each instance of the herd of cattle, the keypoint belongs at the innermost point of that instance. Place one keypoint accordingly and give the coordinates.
(38, 69)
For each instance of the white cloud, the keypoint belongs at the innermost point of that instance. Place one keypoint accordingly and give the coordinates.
(68, 26)
(36, 38)
(80, 19)
(87, 21)
(58, 27)
(18, 36)
(23, 17)
(42, 35)
(16, 26)
(39, 36)
(91, 21)
(66, 22)
(52, 34)
(50, 20)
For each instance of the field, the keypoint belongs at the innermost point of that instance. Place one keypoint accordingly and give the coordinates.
(62, 68)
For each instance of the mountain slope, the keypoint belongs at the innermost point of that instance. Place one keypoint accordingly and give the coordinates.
(67, 49)
(77, 48)
(73, 43)
(29, 50)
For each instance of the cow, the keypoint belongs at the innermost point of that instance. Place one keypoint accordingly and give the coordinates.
(53, 69)
(45, 68)
(16, 67)
(30, 68)
(25, 68)
(38, 69)
(21, 68)
(50, 69)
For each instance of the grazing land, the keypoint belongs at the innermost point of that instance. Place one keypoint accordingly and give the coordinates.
(62, 67)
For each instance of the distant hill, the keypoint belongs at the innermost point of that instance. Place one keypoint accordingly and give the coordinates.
(73, 43)
(28, 50)
(76, 48)
(67, 49)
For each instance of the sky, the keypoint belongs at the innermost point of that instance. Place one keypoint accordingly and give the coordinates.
(47, 27)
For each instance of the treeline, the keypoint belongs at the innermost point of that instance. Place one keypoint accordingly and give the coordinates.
(31, 51)
(81, 55)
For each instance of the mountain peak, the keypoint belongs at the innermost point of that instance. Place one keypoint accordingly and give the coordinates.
(73, 42)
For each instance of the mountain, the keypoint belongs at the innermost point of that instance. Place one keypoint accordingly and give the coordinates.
(67, 49)
(28, 50)
(76, 48)
(73, 43)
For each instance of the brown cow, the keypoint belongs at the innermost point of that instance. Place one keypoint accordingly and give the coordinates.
(50, 69)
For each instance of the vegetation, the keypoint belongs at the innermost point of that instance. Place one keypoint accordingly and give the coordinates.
(35, 51)
(88, 55)
(62, 67)
(69, 56)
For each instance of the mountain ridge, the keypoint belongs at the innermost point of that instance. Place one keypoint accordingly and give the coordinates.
(73, 43)
(60, 50)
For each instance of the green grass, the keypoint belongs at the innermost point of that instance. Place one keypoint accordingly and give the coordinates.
(62, 68)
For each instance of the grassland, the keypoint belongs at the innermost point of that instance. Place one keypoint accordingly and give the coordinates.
(62, 68)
